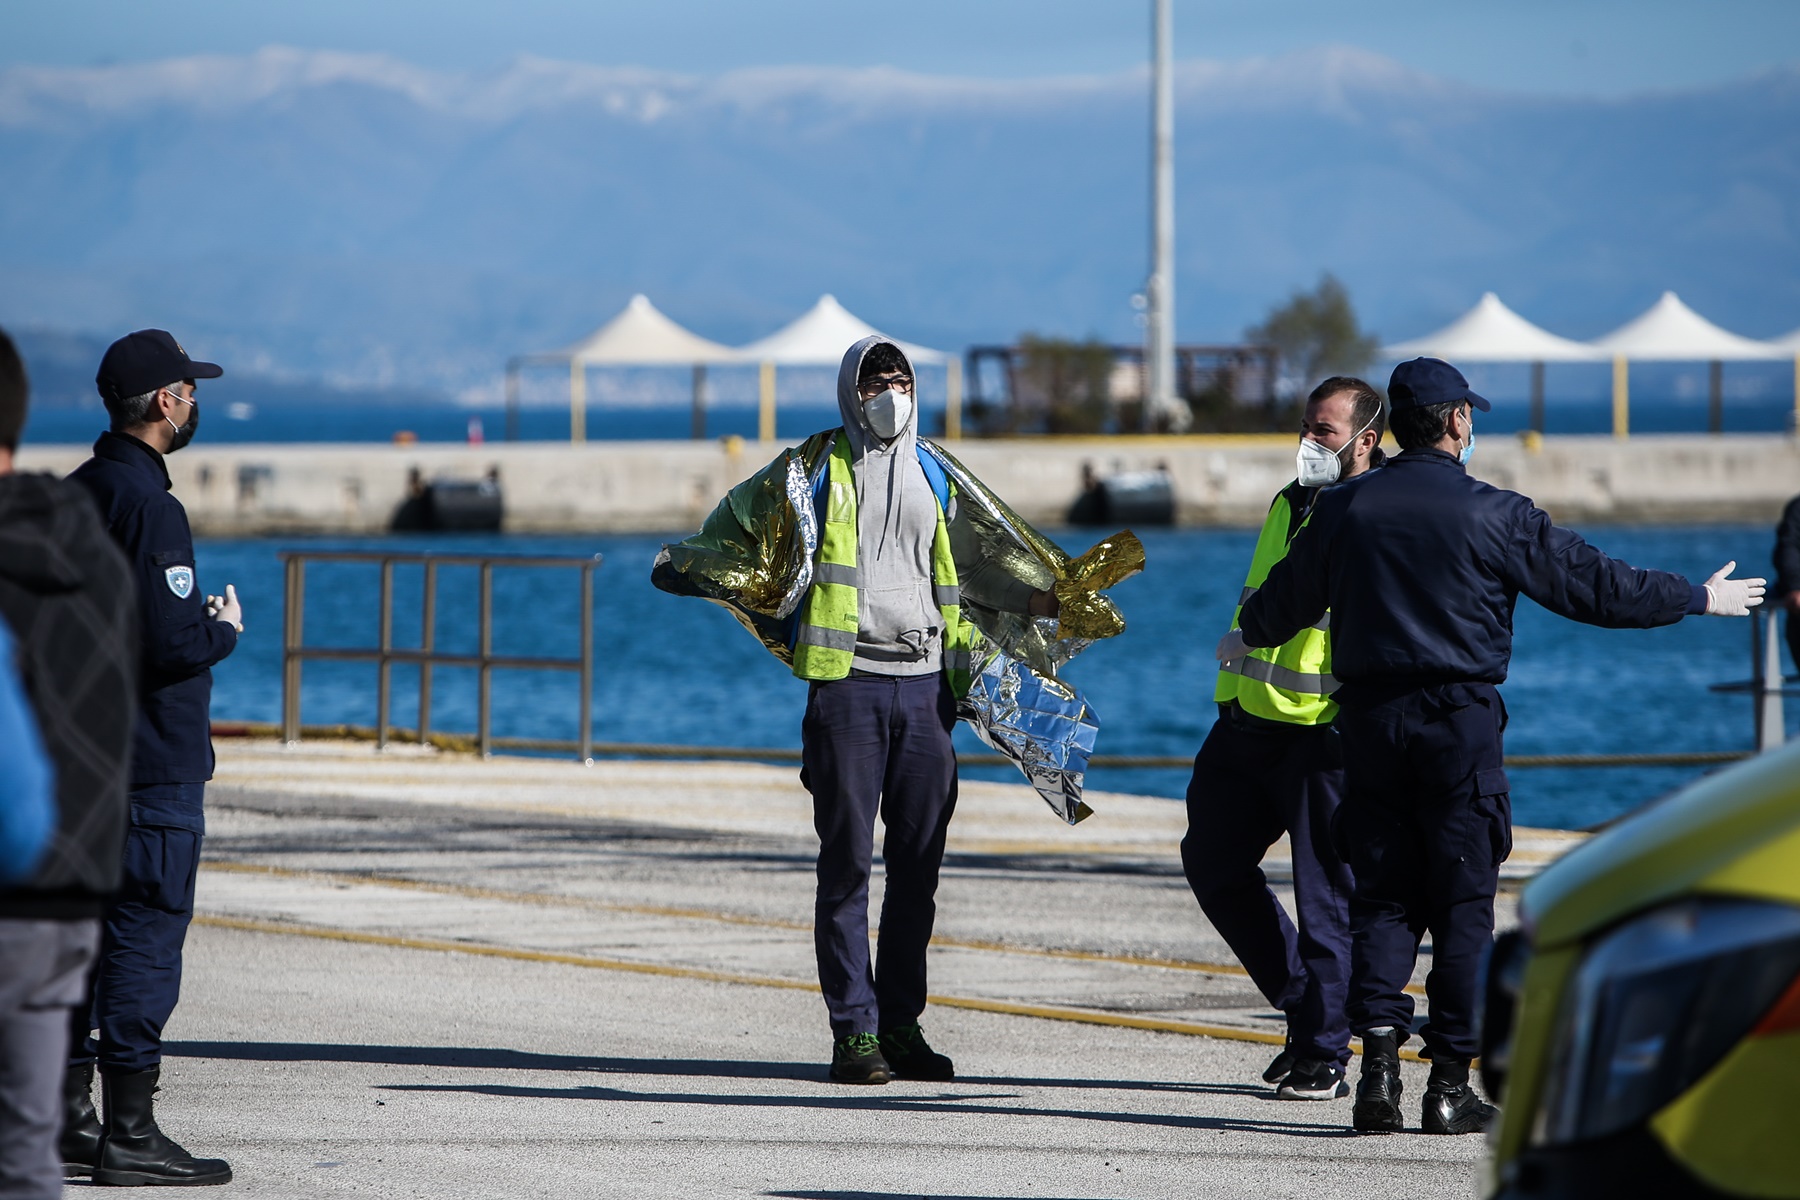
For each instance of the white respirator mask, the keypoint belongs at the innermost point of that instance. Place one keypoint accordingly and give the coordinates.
(1316, 466)
(888, 413)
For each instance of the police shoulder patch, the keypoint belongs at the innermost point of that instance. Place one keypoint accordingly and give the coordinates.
(180, 580)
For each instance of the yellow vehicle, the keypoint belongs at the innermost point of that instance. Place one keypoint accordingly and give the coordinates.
(1643, 1026)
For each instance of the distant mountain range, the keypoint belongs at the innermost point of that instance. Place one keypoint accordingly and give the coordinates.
(362, 220)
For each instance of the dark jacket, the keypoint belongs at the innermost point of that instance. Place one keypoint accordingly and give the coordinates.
(67, 593)
(180, 642)
(1787, 551)
(1420, 565)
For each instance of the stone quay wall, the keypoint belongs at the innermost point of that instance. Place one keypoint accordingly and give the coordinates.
(667, 486)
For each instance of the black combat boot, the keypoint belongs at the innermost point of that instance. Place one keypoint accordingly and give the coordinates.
(134, 1151)
(81, 1124)
(1377, 1108)
(1451, 1105)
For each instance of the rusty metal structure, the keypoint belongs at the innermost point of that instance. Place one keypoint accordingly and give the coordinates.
(1001, 398)
(295, 652)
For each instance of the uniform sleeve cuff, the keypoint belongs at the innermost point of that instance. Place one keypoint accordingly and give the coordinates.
(1696, 601)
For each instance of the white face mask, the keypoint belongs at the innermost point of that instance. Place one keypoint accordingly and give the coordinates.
(1317, 466)
(888, 413)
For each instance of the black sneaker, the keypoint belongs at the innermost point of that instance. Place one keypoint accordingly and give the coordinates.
(911, 1058)
(1284, 1062)
(857, 1059)
(1314, 1080)
(1377, 1108)
(1451, 1105)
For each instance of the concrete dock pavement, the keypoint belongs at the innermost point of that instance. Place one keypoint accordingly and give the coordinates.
(426, 974)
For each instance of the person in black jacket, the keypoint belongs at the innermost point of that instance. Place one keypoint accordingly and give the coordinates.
(67, 594)
(1421, 565)
(147, 382)
(1787, 574)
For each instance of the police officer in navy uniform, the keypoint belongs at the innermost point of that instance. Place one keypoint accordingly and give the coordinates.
(147, 382)
(1420, 565)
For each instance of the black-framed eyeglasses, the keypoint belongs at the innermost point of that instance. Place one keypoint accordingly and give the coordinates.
(871, 388)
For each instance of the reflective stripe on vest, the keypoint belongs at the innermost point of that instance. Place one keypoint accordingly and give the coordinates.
(830, 639)
(1282, 677)
(1291, 682)
(825, 640)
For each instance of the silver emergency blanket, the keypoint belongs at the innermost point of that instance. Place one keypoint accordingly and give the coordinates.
(754, 557)
(1045, 726)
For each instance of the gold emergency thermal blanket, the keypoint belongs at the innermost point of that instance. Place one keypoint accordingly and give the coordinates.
(754, 556)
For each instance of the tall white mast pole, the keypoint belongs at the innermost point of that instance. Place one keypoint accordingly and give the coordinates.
(1162, 404)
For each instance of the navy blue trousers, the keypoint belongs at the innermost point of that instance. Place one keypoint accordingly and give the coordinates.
(1425, 824)
(137, 977)
(877, 743)
(1252, 782)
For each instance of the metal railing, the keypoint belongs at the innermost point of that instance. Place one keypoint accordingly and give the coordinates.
(1766, 684)
(426, 656)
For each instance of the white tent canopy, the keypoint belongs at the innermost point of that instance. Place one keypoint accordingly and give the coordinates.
(819, 337)
(1788, 341)
(1491, 333)
(640, 335)
(1670, 331)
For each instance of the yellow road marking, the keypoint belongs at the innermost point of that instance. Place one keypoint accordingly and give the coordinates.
(1004, 1007)
(706, 914)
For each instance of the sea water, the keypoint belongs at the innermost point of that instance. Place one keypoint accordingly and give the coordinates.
(676, 670)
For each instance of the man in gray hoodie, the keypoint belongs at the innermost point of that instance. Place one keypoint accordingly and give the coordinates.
(890, 579)
(879, 736)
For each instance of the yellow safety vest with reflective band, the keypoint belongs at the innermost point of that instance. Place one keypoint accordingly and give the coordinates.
(1291, 682)
(825, 640)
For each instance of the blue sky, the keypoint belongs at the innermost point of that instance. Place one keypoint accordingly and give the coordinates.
(1564, 46)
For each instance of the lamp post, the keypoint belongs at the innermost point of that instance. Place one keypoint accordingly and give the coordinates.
(1161, 404)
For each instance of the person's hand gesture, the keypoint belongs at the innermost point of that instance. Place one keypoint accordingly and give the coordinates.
(226, 608)
(1727, 597)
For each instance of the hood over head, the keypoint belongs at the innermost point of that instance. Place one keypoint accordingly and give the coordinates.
(48, 526)
(850, 406)
(880, 469)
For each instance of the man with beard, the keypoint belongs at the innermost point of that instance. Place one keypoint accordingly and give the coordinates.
(147, 382)
(1420, 565)
(1272, 765)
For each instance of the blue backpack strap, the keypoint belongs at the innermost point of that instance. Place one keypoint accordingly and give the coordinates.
(822, 480)
(819, 487)
(934, 475)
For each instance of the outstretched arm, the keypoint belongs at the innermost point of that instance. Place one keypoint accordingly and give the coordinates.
(1559, 570)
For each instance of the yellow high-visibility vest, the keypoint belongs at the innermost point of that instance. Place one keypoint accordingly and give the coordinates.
(1292, 682)
(825, 641)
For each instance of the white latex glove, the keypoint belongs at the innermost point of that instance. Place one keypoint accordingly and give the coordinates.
(1726, 597)
(1231, 646)
(228, 609)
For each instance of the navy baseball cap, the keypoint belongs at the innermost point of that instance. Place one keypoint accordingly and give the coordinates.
(1424, 382)
(144, 361)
